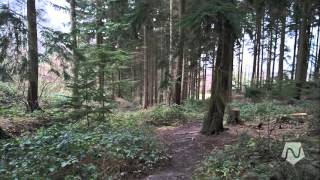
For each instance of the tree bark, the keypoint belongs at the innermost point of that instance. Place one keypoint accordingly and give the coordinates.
(282, 46)
(32, 56)
(180, 55)
(274, 54)
(213, 122)
(303, 48)
(204, 78)
(293, 70)
(171, 52)
(268, 78)
(317, 59)
(75, 88)
(99, 41)
(145, 67)
(256, 47)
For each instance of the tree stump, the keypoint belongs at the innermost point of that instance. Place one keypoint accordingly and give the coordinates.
(3, 134)
(234, 116)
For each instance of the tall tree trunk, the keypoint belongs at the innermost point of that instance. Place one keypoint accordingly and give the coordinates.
(180, 55)
(213, 122)
(282, 44)
(32, 56)
(262, 54)
(145, 67)
(204, 78)
(214, 53)
(268, 78)
(185, 79)
(99, 41)
(75, 88)
(241, 66)
(171, 52)
(317, 59)
(198, 79)
(303, 48)
(256, 47)
(293, 70)
(274, 54)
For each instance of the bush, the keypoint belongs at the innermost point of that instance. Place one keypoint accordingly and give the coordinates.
(255, 94)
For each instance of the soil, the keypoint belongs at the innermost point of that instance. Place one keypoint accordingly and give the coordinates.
(19, 126)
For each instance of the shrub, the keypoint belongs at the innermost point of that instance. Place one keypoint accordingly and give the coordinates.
(255, 94)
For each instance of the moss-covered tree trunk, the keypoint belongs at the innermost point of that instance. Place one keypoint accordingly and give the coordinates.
(213, 122)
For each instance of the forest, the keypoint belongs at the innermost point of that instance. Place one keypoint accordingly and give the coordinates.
(160, 89)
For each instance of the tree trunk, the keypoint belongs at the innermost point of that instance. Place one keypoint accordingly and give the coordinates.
(256, 47)
(171, 52)
(75, 88)
(282, 44)
(317, 59)
(262, 54)
(293, 70)
(145, 67)
(268, 78)
(180, 55)
(214, 53)
(274, 54)
(32, 56)
(213, 122)
(241, 66)
(185, 79)
(99, 41)
(204, 78)
(303, 48)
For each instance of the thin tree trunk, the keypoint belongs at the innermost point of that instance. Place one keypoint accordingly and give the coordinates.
(268, 79)
(262, 54)
(274, 54)
(256, 47)
(204, 81)
(75, 88)
(145, 67)
(32, 56)
(171, 51)
(294, 54)
(317, 59)
(99, 41)
(282, 44)
(241, 67)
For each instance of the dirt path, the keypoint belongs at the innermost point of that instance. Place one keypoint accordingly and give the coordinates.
(187, 147)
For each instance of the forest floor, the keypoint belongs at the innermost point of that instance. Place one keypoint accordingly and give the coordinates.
(187, 147)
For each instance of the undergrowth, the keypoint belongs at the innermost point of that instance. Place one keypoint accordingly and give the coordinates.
(270, 109)
(75, 150)
(259, 158)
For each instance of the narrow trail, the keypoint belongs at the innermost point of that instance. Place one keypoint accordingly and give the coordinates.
(187, 147)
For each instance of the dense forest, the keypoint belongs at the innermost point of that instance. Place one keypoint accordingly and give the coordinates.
(160, 89)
